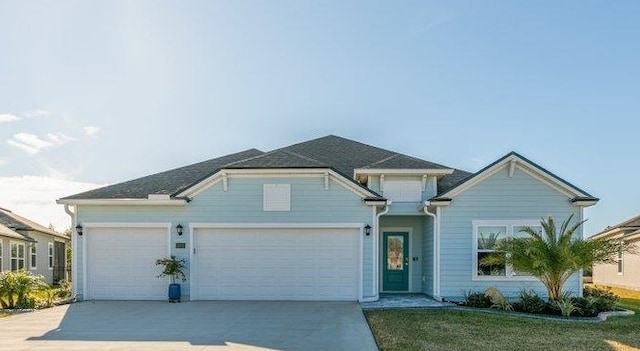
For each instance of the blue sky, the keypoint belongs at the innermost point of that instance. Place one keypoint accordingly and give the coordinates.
(93, 93)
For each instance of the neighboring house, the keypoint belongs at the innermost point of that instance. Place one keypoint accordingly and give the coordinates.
(326, 219)
(27, 245)
(624, 273)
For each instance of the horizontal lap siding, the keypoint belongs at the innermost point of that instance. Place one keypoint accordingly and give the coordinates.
(499, 197)
(242, 203)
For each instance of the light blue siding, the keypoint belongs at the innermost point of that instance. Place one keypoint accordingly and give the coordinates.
(243, 203)
(427, 260)
(499, 197)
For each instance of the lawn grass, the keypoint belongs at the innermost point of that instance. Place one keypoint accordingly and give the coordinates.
(434, 329)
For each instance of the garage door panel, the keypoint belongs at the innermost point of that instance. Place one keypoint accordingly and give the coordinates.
(121, 263)
(276, 264)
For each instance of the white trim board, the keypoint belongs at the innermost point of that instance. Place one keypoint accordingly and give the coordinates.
(260, 173)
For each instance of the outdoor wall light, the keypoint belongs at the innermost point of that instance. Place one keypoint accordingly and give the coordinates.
(179, 229)
(79, 229)
(367, 230)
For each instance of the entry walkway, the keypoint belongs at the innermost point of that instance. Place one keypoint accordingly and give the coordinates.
(389, 301)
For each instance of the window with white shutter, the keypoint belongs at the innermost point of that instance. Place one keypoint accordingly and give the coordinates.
(276, 197)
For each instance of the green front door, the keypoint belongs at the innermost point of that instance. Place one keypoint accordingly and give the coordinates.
(395, 258)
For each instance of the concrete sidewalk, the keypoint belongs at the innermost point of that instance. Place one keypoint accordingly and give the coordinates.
(202, 325)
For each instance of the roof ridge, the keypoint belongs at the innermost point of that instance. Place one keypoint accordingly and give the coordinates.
(382, 160)
(301, 156)
(29, 223)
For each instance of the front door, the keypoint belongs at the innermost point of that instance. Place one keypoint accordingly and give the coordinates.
(395, 257)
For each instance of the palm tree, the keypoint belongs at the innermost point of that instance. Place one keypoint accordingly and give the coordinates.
(554, 255)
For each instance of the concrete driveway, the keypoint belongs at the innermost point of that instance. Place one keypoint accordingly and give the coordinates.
(202, 325)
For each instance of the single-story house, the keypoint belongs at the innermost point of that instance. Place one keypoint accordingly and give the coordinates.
(25, 244)
(325, 219)
(625, 273)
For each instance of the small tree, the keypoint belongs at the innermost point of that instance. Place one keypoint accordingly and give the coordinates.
(554, 255)
(173, 268)
(16, 288)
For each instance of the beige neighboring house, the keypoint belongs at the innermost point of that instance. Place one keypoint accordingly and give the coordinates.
(25, 244)
(626, 273)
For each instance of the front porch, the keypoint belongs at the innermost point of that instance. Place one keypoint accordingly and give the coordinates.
(391, 301)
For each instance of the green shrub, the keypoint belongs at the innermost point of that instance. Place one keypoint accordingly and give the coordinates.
(530, 302)
(477, 299)
(16, 289)
(64, 290)
(566, 306)
(602, 299)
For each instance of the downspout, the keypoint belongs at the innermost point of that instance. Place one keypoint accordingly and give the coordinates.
(436, 254)
(74, 247)
(376, 255)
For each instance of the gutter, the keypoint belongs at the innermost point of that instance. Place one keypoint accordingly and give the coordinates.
(376, 245)
(436, 251)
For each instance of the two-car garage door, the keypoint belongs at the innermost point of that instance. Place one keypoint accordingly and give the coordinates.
(275, 264)
(227, 263)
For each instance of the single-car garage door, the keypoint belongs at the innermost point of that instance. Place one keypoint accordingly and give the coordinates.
(276, 264)
(121, 263)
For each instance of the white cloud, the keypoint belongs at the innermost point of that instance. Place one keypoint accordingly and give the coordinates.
(34, 197)
(91, 131)
(3, 161)
(7, 117)
(33, 144)
(36, 113)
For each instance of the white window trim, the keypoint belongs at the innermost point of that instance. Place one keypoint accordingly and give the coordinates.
(267, 202)
(17, 258)
(509, 224)
(31, 256)
(620, 263)
(50, 256)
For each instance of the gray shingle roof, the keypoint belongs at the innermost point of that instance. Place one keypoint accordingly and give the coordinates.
(18, 223)
(169, 182)
(345, 155)
(340, 154)
(278, 159)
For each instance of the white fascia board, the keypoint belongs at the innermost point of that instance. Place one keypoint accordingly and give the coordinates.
(396, 171)
(123, 202)
(275, 172)
(585, 203)
(376, 202)
(523, 166)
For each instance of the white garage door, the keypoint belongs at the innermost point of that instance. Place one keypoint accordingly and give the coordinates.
(121, 263)
(276, 264)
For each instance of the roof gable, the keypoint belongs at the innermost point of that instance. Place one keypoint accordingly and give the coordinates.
(630, 227)
(513, 159)
(330, 152)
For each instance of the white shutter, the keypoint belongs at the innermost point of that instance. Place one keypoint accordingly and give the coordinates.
(276, 197)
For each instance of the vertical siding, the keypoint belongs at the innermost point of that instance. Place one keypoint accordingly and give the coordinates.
(416, 224)
(499, 198)
(242, 203)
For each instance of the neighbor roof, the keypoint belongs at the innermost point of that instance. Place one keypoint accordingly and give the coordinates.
(334, 152)
(7, 232)
(18, 223)
(627, 228)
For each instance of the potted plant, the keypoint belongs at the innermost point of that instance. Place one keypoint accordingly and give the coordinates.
(173, 268)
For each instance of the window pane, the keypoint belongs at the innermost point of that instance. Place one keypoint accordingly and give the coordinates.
(493, 270)
(518, 233)
(14, 250)
(14, 264)
(21, 251)
(395, 253)
(488, 237)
